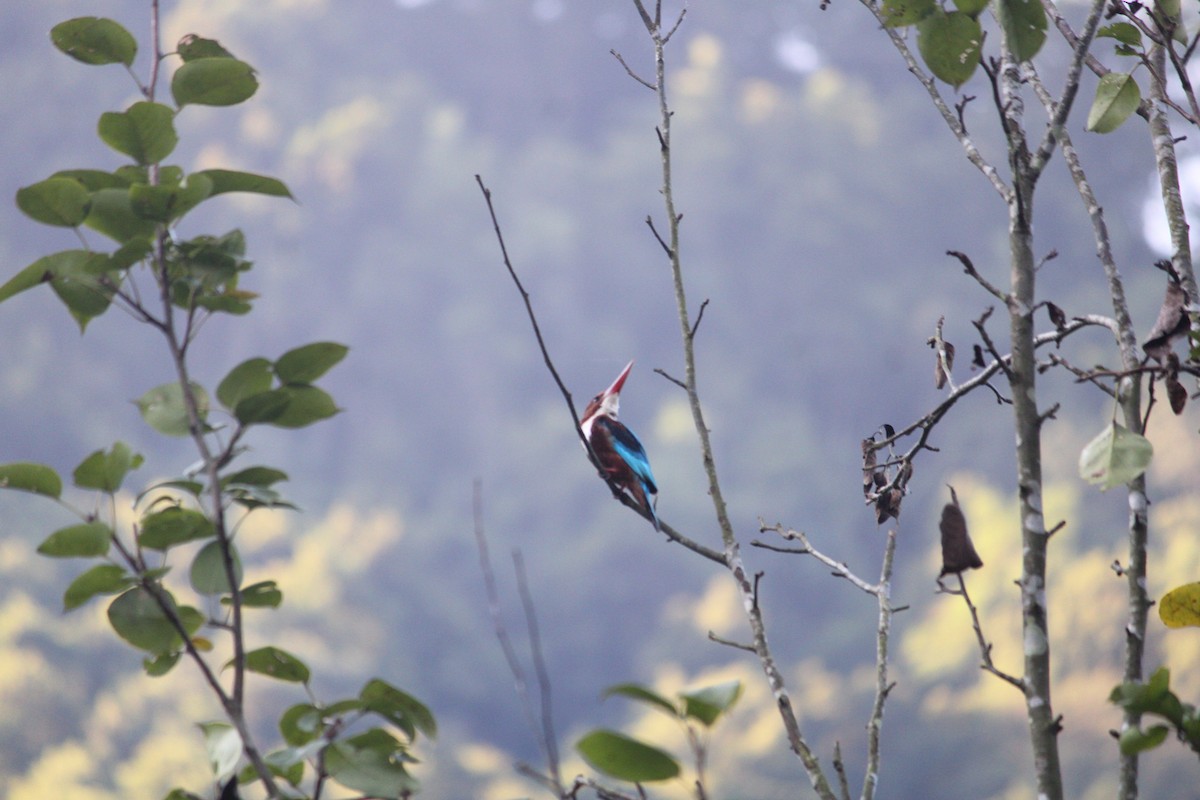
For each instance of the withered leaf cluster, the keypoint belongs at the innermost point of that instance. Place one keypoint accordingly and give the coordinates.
(885, 484)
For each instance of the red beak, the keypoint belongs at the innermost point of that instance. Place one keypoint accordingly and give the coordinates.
(620, 381)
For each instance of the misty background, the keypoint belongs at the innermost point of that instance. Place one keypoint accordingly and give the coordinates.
(820, 192)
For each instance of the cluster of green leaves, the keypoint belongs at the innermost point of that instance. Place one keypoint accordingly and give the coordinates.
(628, 759)
(195, 516)
(950, 40)
(1154, 697)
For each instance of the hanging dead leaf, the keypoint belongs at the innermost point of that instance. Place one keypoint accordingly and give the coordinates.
(1176, 394)
(958, 552)
(977, 358)
(1057, 317)
(887, 506)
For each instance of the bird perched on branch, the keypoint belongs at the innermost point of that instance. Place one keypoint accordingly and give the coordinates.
(622, 457)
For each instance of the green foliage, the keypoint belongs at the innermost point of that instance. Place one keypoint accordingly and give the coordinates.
(1155, 698)
(1024, 24)
(625, 758)
(191, 519)
(1115, 457)
(950, 44)
(1117, 96)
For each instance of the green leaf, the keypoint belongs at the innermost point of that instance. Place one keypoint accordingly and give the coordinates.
(255, 476)
(619, 756)
(31, 276)
(301, 724)
(264, 594)
(398, 707)
(129, 253)
(972, 7)
(213, 82)
(264, 407)
(642, 694)
(145, 132)
(79, 281)
(1124, 32)
(305, 364)
(1024, 24)
(278, 664)
(161, 664)
(224, 746)
(371, 763)
(63, 202)
(307, 404)
(171, 526)
(208, 574)
(248, 378)
(88, 539)
(1180, 607)
(100, 579)
(165, 409)
(106, 471)
(138, 619)
(899, 13)
(707, 704)
(1134, 740)
(93, 179)
(192, 47)
(169, 203)
(29, 477)
(1115, 457)
(95, 40)
(228, 180)
(1117, 96)
(950, 45)
(112, 214)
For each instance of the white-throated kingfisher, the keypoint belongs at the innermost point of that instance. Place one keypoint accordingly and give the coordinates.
(621, 455)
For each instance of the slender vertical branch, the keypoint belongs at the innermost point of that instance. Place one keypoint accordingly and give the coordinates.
(883, 687)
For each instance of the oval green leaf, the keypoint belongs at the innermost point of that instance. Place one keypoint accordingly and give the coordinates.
(87, 540)
(899, 13)
(208, 575)
(307, 404)
(106, 471)
(264, 594)
(112, 214)
(251, 377)
(619, 756)
(642, 694)
(306, 364)
(192, 47)
(63, 202)
(398, 707)
(29, 477)
(1024, 24)
(95, 40)
(213, 82)
(100, 579)
(145, 131)
(1180, 607)
(278, 664)
(301, 724)
(368, 764)
(263, 408)
(165, 409)
(950, 44)
(228, 180)
(1117, 96)
(1115, 457)
(139, 620)
(171, 526)
(709, 703)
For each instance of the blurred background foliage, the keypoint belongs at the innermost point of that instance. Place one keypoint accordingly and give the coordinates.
(820, 194)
